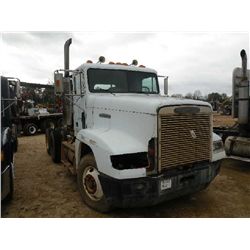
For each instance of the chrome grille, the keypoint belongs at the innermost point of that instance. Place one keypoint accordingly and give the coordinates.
(184, 139)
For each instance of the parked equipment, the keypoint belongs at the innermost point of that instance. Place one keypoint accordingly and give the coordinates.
(127, 144)
(33, 118)
(38, 119)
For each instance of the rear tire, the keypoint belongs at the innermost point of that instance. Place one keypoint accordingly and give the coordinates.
(15, 145)
(30, 129)
(55, 145)
(47, 124)
(89, 185)
(48, 140)
(59, 123)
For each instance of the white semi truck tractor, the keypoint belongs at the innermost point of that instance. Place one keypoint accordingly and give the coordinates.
(237, 138)
(128, 145)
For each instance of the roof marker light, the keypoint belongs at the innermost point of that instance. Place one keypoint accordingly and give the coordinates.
(134, 62)
(101, 59)
(111, 63)
(142, 66)
(89, 61)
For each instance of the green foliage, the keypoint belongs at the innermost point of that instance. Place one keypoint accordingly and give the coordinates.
(42, 96)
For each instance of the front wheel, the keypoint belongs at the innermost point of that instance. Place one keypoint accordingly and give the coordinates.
(9, 197)
(89, 184)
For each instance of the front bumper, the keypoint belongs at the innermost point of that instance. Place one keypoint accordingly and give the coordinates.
(147, 191)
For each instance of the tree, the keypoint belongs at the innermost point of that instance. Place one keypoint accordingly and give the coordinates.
(197, 95)
(189, 96)
(40, 96)
(224, 97)
(177, 95)
(214, 97)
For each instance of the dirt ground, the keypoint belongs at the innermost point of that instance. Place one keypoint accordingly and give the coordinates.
(223, 120)
(45, 189)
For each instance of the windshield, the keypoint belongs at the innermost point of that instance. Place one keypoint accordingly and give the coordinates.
(122, 81)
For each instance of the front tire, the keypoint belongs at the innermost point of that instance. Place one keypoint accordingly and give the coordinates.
(9, 197)
(89, 185)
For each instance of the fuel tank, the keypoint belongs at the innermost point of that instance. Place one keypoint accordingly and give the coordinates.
(238, 146)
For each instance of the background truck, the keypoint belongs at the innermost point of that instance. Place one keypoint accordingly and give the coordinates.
(127, 144)
(9, 142)
(237, 138)
(36, 116)
(38, 119)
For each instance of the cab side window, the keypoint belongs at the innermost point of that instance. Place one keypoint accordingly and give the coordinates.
(149, 85)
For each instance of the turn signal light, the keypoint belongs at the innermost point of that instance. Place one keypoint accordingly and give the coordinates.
(2, 156)
(151, 154)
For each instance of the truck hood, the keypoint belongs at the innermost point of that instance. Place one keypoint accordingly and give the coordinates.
(138, 103)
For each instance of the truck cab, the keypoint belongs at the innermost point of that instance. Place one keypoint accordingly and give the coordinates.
(128, 144)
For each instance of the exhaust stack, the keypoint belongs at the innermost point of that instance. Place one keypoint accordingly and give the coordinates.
(244, 63)
(66, 56)
(67, 88)
(244, 92)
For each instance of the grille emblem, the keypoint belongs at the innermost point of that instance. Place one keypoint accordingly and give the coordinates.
(194, 136)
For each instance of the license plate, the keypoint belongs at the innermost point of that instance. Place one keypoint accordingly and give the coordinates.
(166, 184)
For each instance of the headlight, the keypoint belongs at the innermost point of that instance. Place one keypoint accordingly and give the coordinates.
(218, 145)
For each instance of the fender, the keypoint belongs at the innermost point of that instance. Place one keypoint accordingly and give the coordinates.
(5, 136)
(105, 143)
(218, 155)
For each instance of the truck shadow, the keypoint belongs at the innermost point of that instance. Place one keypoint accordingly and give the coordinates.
(189, 206)
(236, 165)
(4, 207)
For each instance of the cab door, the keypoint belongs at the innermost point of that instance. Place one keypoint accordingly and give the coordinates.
(78, 102)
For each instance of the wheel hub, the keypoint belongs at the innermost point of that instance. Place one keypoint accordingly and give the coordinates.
(32, 129)
(92, 184)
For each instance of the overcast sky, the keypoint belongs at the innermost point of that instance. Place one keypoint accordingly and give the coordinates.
(192, 61)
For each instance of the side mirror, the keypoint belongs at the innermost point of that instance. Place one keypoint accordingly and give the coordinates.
(166, 85)
(15, 83)
(18, 92)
